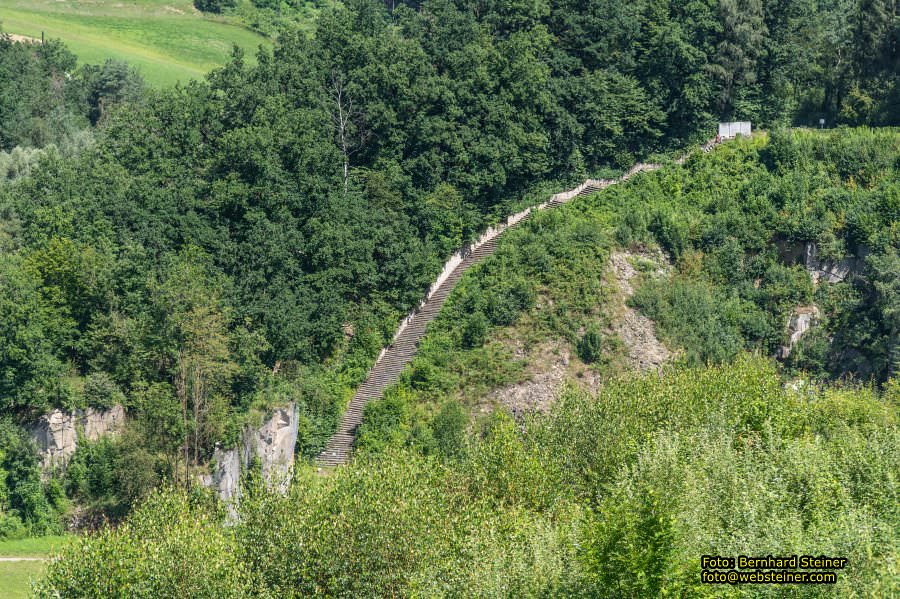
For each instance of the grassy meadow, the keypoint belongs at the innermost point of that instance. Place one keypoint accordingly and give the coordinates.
(167, 40)
(16, 576)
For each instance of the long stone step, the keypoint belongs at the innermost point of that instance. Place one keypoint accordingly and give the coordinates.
(388, 369)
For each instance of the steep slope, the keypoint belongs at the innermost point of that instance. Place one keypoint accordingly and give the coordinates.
(394, 358)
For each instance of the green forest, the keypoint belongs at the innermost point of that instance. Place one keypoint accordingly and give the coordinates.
(202, 253)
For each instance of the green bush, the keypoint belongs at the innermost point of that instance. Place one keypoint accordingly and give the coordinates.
(617, 494)
(214, 6)
(591, 346)
(100, 391)
(172, 546)
(27, 505)
(449, 430)
(705, 320)
(474, 330)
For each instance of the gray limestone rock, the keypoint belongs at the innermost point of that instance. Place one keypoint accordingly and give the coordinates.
(57, 433)
(272, 444)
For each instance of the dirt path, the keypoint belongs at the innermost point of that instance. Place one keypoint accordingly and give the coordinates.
(23, 559)
(23, 38)
(638, 333)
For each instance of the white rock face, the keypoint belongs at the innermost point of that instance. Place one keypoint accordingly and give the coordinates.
(820, 270)
(800, 321)
(57, 433)
(823, 270)
(637, 332)
(226, 476)
(98, 423)
(272, 444)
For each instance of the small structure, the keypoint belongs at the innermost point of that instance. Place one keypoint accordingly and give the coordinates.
(733, 129)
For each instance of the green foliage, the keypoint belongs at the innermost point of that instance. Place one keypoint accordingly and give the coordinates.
(723, 216)
(737, 238)
(27, 506)
(707, 322)
(173, 547)
(32, 331)
(100, 391)
(107, 476)
(617, 494)
(474, 330)
(214, 6)
(35, 109)
(254, 237)
(590, 346)
(449, 430)
(109, 84)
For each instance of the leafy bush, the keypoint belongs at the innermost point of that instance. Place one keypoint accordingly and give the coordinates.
(590, 346)
(474, 330)
(27, 505)
(701, 318)
(100, 391)
(449, 430)
(616, 494)
(172, 546)
(214, 6)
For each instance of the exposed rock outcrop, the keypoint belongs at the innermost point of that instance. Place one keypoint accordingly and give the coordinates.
(637, 332)
(226, 474)
(57, 433)
(550, 363)
(548, 370)
(801, 320)
(819, 270)
(271, 444)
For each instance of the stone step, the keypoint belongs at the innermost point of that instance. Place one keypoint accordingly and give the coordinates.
(388, 370)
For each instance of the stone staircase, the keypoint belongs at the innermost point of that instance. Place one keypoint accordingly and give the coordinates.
(387, 369)
(390, 365)
(396, 356)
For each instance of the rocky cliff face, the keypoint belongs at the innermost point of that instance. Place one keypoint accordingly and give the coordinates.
(801, 320)
(819, 269)
(57, 433)
(272, 444)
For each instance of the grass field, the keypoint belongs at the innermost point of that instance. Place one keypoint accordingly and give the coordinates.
(16, 577)
(167, 40)
(33, 547)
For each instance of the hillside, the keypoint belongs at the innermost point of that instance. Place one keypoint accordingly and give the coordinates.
(166, 40)
(618, 493)
(195, 281)
(617, 480)
(734, 227)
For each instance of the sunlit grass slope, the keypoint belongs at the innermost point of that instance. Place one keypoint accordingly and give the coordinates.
(167, 40)
(16, 576)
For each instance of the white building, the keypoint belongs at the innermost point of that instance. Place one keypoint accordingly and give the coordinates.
(731, 130)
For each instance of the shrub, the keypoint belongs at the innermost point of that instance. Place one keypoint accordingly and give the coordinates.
(617, 494)
(474, 330)
(100, 391)
(172, 546)
(590, 346)
(214, 6)
(449, 430)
